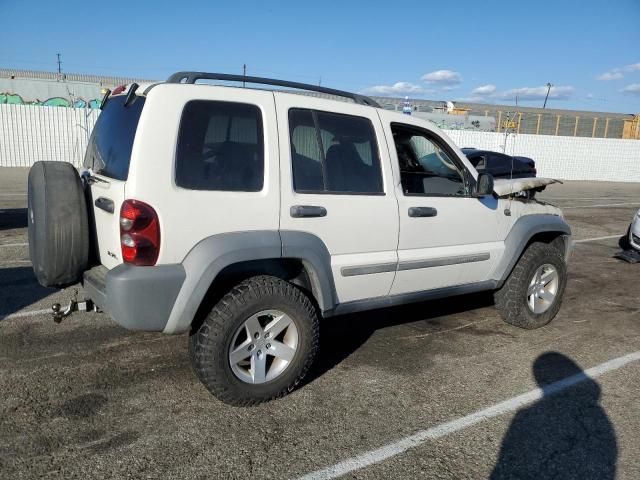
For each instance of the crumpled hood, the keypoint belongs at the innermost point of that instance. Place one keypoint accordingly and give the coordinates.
(504, 186)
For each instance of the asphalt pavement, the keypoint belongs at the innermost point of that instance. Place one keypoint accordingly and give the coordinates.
(441, 389)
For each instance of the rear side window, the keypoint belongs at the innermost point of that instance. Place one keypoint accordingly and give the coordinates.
(109, 149)
(333, 153)
(220, 147)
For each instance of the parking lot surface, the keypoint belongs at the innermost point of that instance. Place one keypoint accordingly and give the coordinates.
(431, 390)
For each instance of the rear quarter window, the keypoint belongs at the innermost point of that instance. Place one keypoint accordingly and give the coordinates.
(220, 147)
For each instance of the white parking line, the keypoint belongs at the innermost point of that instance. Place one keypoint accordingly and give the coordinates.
(378, 455)
(13, 194)
(13, 244)
(595, 239)
(602, 205)
(31, 313)
(587, 198)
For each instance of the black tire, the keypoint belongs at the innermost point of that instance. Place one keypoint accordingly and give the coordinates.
(511, 298)
(209, 345)
(624, 243)
(57, 223)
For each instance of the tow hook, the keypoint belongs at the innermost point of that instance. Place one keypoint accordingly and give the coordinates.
(74, 306)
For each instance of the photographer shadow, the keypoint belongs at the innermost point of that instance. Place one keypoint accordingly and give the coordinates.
(566, 434)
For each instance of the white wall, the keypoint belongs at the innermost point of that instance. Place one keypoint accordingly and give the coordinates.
(29, 133)
(32, 133)
(568, 158)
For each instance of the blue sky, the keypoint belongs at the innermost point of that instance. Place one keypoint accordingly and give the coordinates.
(482, 50)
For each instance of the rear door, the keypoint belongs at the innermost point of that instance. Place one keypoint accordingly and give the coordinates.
(108, 156)
(337, 185)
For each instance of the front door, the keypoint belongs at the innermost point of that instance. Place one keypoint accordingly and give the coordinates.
(447, 236)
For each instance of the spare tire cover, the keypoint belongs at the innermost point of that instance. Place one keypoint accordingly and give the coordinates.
(58, 224)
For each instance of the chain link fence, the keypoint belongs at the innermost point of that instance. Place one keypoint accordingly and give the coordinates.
(535, 121)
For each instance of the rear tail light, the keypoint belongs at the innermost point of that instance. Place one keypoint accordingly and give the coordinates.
(139, 233)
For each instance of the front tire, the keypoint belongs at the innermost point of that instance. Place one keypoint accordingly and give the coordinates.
(257, 343)
(532, 295)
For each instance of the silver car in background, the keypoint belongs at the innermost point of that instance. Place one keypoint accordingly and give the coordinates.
(634, 232)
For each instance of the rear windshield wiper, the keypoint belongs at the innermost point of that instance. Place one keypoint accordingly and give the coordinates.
(104, 99)
(131, 94)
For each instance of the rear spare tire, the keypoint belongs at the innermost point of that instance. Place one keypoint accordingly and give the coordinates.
(58, 224)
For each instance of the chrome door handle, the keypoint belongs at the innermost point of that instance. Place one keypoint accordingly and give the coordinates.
(305, 211)
(422, 212)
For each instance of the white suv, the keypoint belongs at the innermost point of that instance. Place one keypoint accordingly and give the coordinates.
(243, 216)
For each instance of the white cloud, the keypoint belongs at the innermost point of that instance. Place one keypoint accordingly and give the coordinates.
(536, 93)
(633, 89)
(616, 73)
(612, 75)
(634, 67)
(483, 90)
(398, 88)
(442, 77)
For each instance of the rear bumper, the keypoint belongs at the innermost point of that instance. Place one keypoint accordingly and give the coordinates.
(138, 298)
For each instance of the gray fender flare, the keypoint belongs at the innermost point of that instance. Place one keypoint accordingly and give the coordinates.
(521, 233)
(211, 255)
(317, 262)
(203, 263)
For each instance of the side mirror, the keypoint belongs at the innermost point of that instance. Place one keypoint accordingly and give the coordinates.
(484, 185)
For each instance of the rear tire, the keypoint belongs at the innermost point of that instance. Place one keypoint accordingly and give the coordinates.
(58, 224)
(259, 299)
(514, 300)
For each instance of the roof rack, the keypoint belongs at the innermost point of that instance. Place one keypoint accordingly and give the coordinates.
(192, 77)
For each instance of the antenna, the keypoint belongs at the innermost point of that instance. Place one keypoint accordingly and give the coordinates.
(244, 72)
(59, 64)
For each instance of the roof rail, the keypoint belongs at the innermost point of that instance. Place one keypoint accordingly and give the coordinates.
(192, 77)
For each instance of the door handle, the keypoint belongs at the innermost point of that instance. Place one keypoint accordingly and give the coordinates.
(105, 204)
(305, 211)
(422, 212)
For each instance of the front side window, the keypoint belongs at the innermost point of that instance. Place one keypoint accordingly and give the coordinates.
(426, 168)
(220, 147)
(333, 153)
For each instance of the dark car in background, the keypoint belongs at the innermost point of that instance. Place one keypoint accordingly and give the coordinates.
(499, 164)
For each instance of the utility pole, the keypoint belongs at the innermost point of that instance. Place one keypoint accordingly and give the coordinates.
(547, 96)
(244, 72)
(59, 64)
